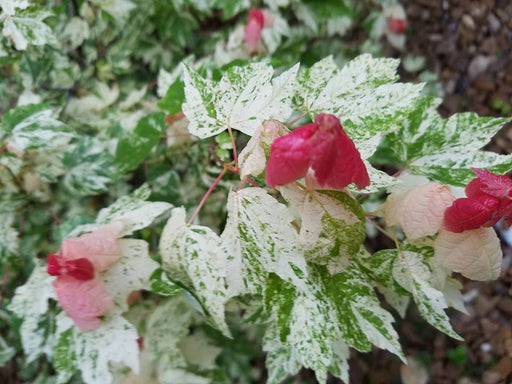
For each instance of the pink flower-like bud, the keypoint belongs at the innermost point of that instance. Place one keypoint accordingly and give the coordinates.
(83, 301)
(80, 269)
(256, 21)
(488, 200)
(99, 247)
(397, 26)
(322, 146)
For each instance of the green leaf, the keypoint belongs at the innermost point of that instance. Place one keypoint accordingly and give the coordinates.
(193, 255)
(326, 9)
(132, 150)
(243, 98)
(133, 211)
(259, 239)
(34, 126)
(174, 98)
(162, 285)
(410, 270)
(113, 343)
(445, 149)
(90, 168)
(314, 325)
(30, 303)
(332, 224)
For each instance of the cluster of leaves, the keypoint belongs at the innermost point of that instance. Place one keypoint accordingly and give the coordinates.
(285, 269)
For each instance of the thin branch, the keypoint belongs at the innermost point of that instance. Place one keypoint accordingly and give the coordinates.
(208, 192)
(382, 230)
(252, 182)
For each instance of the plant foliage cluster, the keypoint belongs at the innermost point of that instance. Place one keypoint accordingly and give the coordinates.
(131, 114)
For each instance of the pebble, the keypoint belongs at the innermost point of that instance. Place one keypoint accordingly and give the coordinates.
(494, 23)
(478, 65)
(468, 22)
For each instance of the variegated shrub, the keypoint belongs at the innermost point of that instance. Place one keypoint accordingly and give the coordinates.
(209, 266)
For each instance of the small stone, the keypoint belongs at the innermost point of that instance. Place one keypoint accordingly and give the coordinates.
(494, 23)
(499, 372)
(505, 305)
(468, 22)
(478, 65)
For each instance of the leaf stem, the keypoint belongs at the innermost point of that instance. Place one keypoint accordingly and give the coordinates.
(381, 229)
(208, 192)
(290, 124)
(235, 154)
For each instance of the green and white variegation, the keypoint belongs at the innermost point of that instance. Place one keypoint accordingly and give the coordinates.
(243, 98)
(30, 303)
(332, 224)
(313, 326)
(445, 149)
(133, 211)
(194, 256)
(259, 239)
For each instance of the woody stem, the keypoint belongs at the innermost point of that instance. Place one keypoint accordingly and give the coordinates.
(208, 192)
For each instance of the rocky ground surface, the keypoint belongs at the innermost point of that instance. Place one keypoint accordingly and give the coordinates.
(468, 44)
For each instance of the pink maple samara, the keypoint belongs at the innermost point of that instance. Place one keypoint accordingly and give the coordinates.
(489, 199)
(397, 26)
(323, 147)
(256, 21)
(83, 301)
(99, 247)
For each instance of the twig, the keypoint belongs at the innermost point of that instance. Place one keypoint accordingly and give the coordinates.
(208, 192)
(381, 229)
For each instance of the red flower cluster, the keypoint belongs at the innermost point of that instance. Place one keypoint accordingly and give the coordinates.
(322, 146)
(489, 199)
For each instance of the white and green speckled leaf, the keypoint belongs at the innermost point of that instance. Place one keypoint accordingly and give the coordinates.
(194, 256)
(30, 303)
(332, 223)
(9, 6)
(316, 324)
(9, 242)
(363, 94)
(413, 274)
(446, 149)
(303, 333)
(242, 99)
(89, 167)
(166, 327)
(28, 30)
(35, 127)
(259, 238)
(133, 211)
(114, 342)
(130, 273)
